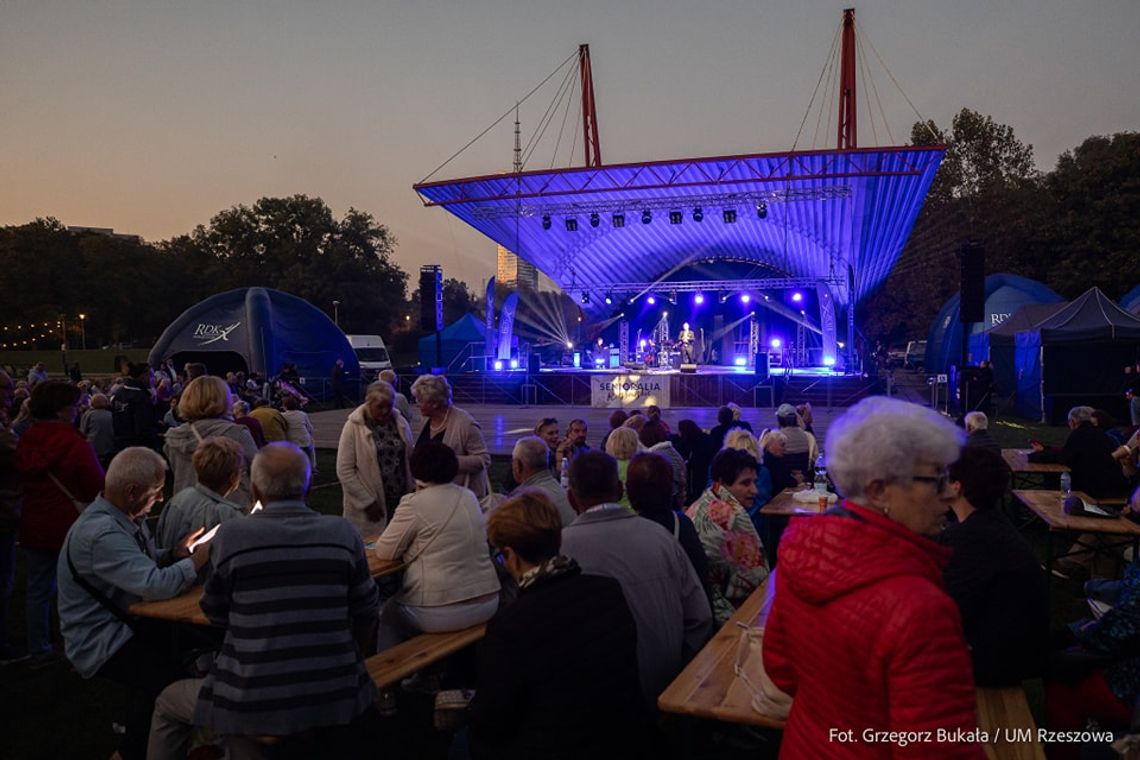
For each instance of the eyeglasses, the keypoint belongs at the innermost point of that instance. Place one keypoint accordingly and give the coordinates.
(939, 481)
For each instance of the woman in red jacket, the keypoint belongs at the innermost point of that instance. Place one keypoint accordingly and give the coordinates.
(862, 633)
(59, 472)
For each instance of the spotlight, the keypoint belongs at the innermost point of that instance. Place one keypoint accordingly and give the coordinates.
(651, 301)
(676, 217)
(797, 296)
(618, 220)
(646, 217)
(699, 299)
(569, 344)
(745, 298)
(740, 361)
(498, 365)
(730, 216)
(595, 220)
(571, 224)
(546, 221)
(642, 344)
(774, 343)
(829, 361)
(585, 296)
(839, 344)
(609, 299)
(514, 363)
(761, 210)
(664, 314)
(698, 214)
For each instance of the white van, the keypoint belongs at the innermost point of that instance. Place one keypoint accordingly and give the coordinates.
(370, 352)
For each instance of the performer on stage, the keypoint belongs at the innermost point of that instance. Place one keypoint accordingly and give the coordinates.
(687, 339)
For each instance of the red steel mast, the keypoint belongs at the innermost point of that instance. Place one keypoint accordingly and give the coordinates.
(847, 137)
(593, 148)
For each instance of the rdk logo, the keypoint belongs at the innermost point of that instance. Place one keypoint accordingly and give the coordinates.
(213, 333)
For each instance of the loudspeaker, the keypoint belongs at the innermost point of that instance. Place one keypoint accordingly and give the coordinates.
(431, 298)
(638, 366)
(763, 372)
(688, 369)
(972, 303)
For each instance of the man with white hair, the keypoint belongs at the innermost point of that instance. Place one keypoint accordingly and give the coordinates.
(1088, 453)
(107, 563)
(528, 468)
(292, 588)
(401, 401)
(977, 432)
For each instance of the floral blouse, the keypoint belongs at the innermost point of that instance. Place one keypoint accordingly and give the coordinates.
(737, 565)
(390, 454)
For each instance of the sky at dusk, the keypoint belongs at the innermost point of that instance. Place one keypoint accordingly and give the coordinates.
(150, 117)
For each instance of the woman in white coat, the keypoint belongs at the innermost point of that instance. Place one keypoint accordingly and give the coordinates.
(372, 460)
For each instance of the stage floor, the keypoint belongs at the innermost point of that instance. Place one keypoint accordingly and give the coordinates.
(702, 369)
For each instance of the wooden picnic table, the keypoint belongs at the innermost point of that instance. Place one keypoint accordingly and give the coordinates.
(1049, 507)
(1018, 461)
(184, 608)
(784, 504)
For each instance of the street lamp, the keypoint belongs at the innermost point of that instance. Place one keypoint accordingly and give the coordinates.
(83, 329)
(336, 313)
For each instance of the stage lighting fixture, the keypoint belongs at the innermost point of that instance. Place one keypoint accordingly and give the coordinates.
(762, 210)
(745, 298)
(840, 344)
(698, 214)
(740, 361)
(585, 296)
(651, 301)
(774, 343)
(642, 344)
(618, 220)
(609, 299)
(665, 314)
(829, 361)
(498, 365)
(546, 221)
(730, 216)
(699, 299)
(646, 217)
(571, 224)
(514, 363)
(676, 217)
(797, 296)
(595, 220)
(569, 344)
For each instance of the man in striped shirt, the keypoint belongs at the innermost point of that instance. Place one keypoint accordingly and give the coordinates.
(293, 589)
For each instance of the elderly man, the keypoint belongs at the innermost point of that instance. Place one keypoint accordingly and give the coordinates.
(977, 432)
(662, 589)
(1088, 453)
(292, 587)
(108, 562)
(528, 468)
(401, 402)
(573, 445)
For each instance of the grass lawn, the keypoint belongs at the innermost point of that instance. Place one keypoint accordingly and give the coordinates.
(52, 713)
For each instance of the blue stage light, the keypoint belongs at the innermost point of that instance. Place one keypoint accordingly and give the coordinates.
(740, 361)
(514, 363)
(651, 301)
(761, 210)
(595, 220)
(745, 298)
(618, 220)
(797, 296)
(699, 299)
(571, 224)
(698, 214)
(546, 221)
(498, 365)
(829, 361)
(775, 343)
(676, 217)
(730, 216)
(646, 217)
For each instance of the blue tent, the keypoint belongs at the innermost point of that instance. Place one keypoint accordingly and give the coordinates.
(1076, 357)
(257, 330)
(1005, 294)
(463, 339)
(1131, 301)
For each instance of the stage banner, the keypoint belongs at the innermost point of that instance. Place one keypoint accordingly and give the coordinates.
(629, 391)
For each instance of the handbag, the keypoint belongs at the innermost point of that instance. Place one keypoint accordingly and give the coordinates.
(767, 698)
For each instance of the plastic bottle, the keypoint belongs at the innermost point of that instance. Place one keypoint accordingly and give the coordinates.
(1066, 484)
(820, 474)
(565, 477)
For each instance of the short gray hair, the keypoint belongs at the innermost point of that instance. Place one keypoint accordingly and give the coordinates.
(134, 466)
(432, 388)
(623, 443)
(388, 376)
(281, 471)
(531, 452)
(882, 439)
(976, 421)
(381, 390)
(1079, 414)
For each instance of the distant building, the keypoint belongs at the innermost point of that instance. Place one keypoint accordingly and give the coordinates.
(108, 231)
(514, 271)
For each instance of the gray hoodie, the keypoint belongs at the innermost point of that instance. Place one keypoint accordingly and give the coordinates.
(182, 441)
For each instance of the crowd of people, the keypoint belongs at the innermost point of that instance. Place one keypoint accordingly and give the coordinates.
(911, 591)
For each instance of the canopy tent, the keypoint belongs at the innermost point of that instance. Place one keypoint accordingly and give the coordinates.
(462, 339)
(1005, 294)
(257, 330)
(1076, 357)
(997, 344)
(835, 220)
(1131, 301)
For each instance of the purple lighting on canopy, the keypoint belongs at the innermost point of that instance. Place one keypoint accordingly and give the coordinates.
(774, 343)
(797, 296)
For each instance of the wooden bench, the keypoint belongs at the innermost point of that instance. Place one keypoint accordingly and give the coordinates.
(390, 666)
(1004, 715)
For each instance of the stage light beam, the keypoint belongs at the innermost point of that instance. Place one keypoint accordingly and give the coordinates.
(699, 299)
(745, 298)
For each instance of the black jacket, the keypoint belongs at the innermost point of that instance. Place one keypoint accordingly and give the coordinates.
(1001, 591)
(558, 674)
(134, 418)
(983, 440)
(1088, 453)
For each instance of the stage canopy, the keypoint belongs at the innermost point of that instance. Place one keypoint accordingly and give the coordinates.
(836, 219)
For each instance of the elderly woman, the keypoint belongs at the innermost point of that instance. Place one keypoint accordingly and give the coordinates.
(60, 475)
(218, 465)
(739, 438)
(862, 632)
(437, 532)
(557, 668)
(654, 436)
(774, 445)
(372, 460)
(204, 407)
(737, 565)
(449, 424)
(623, 443)
(240, 410)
